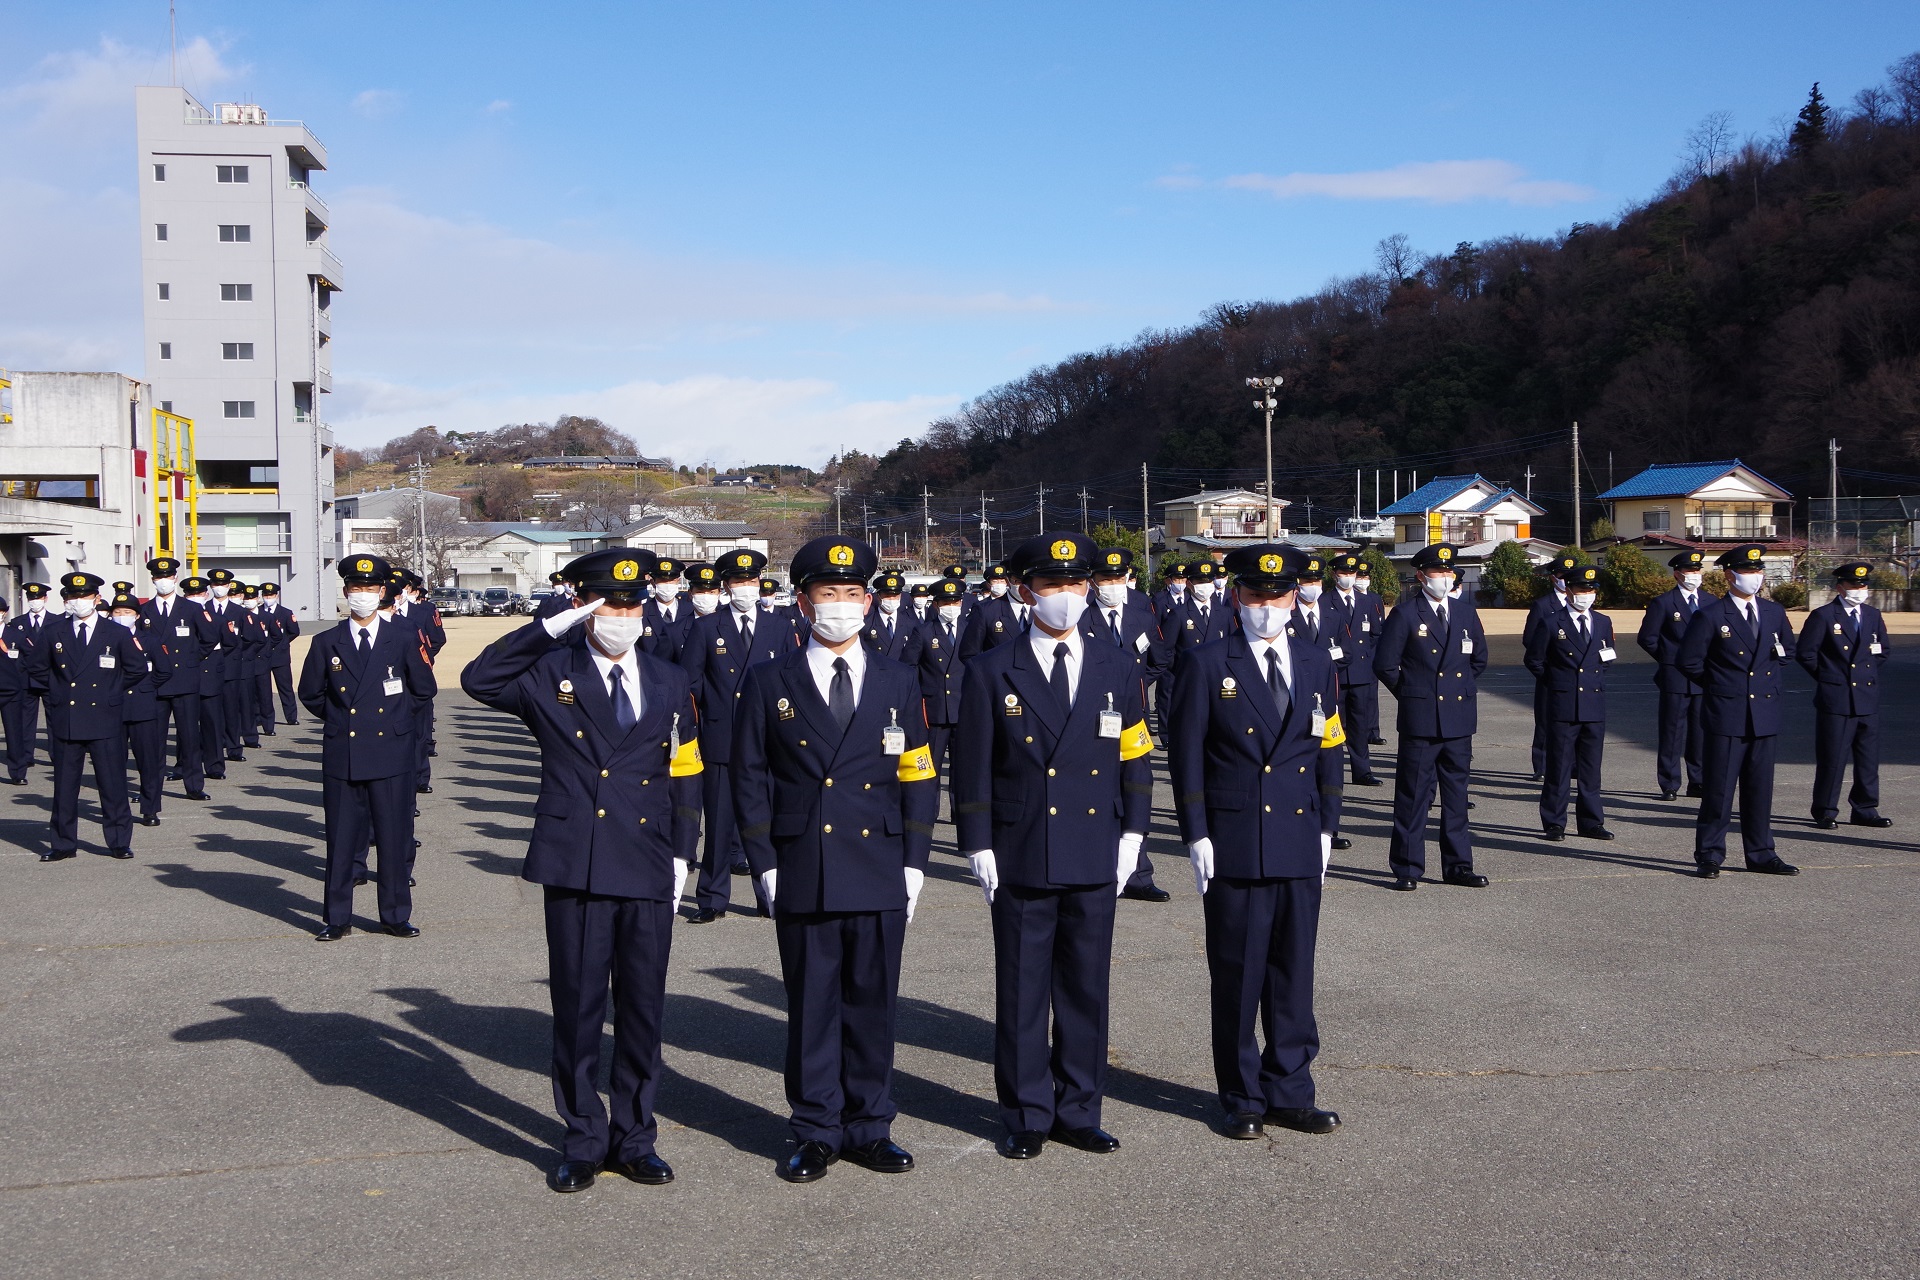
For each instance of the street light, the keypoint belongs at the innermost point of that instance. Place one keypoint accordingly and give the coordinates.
(1266, 387)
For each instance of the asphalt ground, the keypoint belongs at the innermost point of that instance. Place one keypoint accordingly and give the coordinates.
(1596, 1066)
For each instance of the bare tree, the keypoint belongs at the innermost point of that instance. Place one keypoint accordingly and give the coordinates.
(1709, 146)
(448, 537)
(1873, 107)
(1904, 82)
(606, 502)
(1395, 257)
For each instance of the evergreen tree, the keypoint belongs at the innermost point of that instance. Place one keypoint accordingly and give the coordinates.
(1810, 126)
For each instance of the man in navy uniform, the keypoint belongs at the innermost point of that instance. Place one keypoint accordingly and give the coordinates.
(836, 793)
(1735, 649)
(87, 664)
(1569, 656)
(1661, 631)
(1255, 763)
(668, 617)
(412, 605)
(1173, 590)
(1052, 795)
(238, 641)
(1553, 603)
(1432, 651)
(614, 832)
(1356, 617)
(703, 594)
(22, 636)
(366, 678)
(995, 620)
(1843, 646)
(217, 649)
(146, 736)
(190, 637)
(716, 656)
(1203, 616)
(13, 689)
(890, 630)
(1363, 586)
(942, 674)
(920, 600)
(280, 662)
(1119, 616)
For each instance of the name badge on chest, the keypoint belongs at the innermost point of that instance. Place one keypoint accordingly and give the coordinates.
(565, 695)
(1422, 631)
(1466, 644)
(1013, 704)
(893, 739)
(1335, 652)
(785, 709)
(1606, 653)
(392, 685)
(183, 631)
(1874, 647)
(1318, 728)
(107, 662)
(1779, 650)
(1366, 624)
(1110, 721)
(1229, 687)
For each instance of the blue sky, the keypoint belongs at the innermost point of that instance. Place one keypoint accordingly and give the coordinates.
(759, 232)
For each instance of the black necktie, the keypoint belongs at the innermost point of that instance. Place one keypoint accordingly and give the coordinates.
(1691, 604)
(1853, 624)
(1313, 630)
(840, 695)
(86, 633)
(1062, 688)
(1277, 683)
(622, 705)
(1113, 620)
(366, 643)
(1581, 622)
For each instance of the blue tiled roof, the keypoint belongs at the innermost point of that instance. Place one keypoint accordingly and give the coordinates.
(1429, 495)
(1506, 495)
(1674, 479)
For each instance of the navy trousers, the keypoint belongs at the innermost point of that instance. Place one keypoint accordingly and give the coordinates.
(1682, 742)
(1052, 953)
(715, 888)
(594, 942)
(213, 732)
(263, 718)
(842, 974)
(1360, 716)
(109, 756)
(149, 747)
(20, 716)
(289, 704)
(1574, 750)
(1538, 753)
(383, 806)
(1836, 741)
(1746, 762)
(183, 711)
(1423, 764)
(422, 743)
(1260, 942)
(242, 728)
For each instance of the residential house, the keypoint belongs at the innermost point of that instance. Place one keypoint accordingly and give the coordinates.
(1704, 506)
(687, 539)
(517, 556)
(1471, 512)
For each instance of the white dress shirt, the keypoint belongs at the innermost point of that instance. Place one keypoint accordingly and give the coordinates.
(1278, 645)
(1043, 646)
(820, 662)
(372, 627)
(629, 676)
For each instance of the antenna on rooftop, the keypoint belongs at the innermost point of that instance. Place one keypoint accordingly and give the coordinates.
(173, 44)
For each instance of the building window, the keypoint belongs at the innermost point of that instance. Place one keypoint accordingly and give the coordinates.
(236, 351)
(230, 233)
(166, 351)
(159, 173)
(236, 408)
(160, 231)
(166, 406)
(166, 292)
(236, 293)
(1656, 520)
(239, 475)
(230, 172)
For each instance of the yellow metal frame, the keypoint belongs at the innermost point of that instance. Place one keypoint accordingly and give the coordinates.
(173, 459)
(6, 384)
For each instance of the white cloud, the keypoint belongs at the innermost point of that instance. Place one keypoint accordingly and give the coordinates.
(498, 105)
(376, 104)
(1431, 182)
(87, 95)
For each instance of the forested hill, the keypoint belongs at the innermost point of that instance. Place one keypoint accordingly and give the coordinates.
(1768, 299)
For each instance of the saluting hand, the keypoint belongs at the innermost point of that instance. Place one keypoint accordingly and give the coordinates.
(561, 623)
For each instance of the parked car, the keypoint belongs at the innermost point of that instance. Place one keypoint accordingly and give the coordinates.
(496, 602)
(452, 602)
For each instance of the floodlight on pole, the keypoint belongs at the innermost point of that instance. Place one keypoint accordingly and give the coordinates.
(1268, 402)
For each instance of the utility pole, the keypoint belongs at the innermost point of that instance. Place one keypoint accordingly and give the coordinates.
(926, 529)
(1083, 509)
(1265, 387)
(1529, 482)
(1042, 491)
(420, 496)
(1146, 520)
(1576, 484)
(839, 491)
(986, 532)
(1356, 493)
(1376, 493)
(1833, 490)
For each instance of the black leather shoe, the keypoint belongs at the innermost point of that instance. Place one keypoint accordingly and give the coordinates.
(1376, 742)
(1595, 833)
(1875, 821)
(809, 1163)
(237, 756)
(881, 1155)
(1340, 842)
(1368, 781)
(59, 855)
(122, 854)
(1245, 1126)
(1707, 873)
(402, 930)
(1091, 1138)
(1695, 791)
(648, 1170)
(333, 933)
(432, 752)
(1555, 834)
(175, 776)
(1406, 884)
(1472, 805)
(705, 915)
(1825, 824)
(1669, 795)
(198, 795)
(148, 819)
(215, 777)
(1536, 777)
(1304, 1119)
(16, 782)
(1146, 893)
(741, 869)
(1468, 879)
(1775, 868)
(424, 789)
(574, 1175)
(360, 880)
(1024, 1145)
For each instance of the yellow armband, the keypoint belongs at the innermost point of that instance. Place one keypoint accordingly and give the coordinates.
(686, 761)
(917, 765)
(1136, 742)
(1335, 736)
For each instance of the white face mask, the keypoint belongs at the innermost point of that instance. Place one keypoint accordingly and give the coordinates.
(165, 586)
(666, 592)
(1202, 591)
(835, 621)
(363, 604)
(220, 592)
(889, 604)
(1362, 584)
(615, 636)
(1855, 595)
(1060, 611)
(1690, 581)
(129, 621)
(1747, 584)
(745, 597)
(1581, 600)
(1344, 581)
(949, 613)
(996, 588)
(1112, 594)
(83, 607)
(1310, 592)
(1437, 586)
(1264, 621)
(36, 607)
(705, 602)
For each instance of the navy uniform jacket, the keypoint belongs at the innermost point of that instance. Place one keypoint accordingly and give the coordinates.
(990, 623)
(1360, 629)
(369, 732)
(214, 650)
(1185, 628)
(190, 638)
(1741, 679)
(13, 666)
(1547, 605)
(902, 645)
(839, 819)
(20, 638)
(1429, 673)
(615, 809)
(86, 687)
(143, 702)
(943, 677)
(1329, 632)
(1845, 671)
(1262, 789)
(282, 630)
(1661, 631)
(662, 637)
(1165, 602)
(716, 664)
(1575, 673)
(426, 620)
(1140, 633)
(1042, 788)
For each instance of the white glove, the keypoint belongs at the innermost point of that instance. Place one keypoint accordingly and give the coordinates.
(680, 868)
(1326, 853)
(767, 881)
(915, 878)
(1200, 853)
(1128, 859)
(986, 871)
(561, 623)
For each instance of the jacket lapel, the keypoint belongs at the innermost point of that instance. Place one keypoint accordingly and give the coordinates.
(1253, 682)
(804, 695)
(590, 695)
(1025, 677)
(870, 713)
